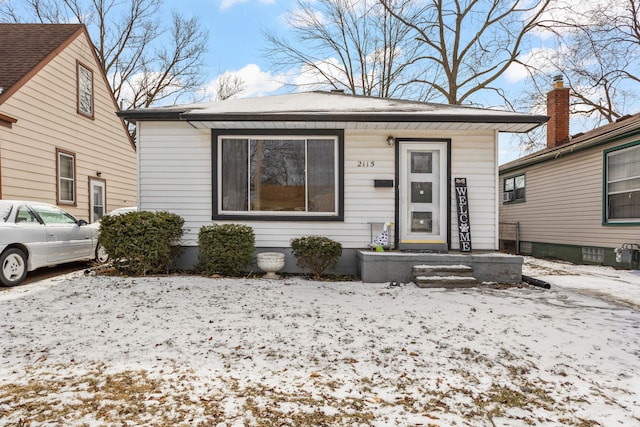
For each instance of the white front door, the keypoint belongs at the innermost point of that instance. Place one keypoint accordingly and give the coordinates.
(97, 207)
(423, 195)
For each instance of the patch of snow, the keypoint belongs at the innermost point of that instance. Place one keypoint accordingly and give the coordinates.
(245, 350)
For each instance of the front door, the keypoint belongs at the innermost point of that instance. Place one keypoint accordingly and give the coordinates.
(423, 201)
(97, 208)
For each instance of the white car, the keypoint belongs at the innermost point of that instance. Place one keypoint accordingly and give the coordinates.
(122, 211)
(36, 234)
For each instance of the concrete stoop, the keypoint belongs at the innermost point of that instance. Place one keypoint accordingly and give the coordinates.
(444, 276)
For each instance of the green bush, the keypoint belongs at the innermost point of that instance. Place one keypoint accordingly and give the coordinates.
(316, 253)
(225, 249)
(140, 243)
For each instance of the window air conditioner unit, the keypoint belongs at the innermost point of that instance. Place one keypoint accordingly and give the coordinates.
(506, 197)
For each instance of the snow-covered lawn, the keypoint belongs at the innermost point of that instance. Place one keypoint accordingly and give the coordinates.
(189, 351)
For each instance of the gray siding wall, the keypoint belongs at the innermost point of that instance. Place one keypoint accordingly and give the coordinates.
(564, 199)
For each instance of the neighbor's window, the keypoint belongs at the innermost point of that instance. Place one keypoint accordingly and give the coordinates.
(278, 175)
(66, 177)
(513, 190)
(623, 185)
(85, 90)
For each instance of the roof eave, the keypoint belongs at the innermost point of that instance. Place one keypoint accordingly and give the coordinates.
(364, 117)
(571, 148)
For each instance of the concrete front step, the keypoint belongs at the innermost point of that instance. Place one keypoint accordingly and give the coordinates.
(444, 276)
(445, 281)
(442, 270)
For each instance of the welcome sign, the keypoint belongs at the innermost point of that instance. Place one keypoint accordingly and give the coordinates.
(464, 224)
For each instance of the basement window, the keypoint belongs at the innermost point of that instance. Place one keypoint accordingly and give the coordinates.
(513, 189)
(591, 254)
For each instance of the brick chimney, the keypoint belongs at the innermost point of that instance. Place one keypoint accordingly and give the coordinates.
(558, 111)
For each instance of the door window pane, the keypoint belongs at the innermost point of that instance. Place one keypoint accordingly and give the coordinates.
(421, 192)
(421, 162)
(97, 202)
(421, 222)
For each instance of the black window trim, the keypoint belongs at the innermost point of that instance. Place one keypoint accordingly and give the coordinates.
(217, 133)
(514, 200)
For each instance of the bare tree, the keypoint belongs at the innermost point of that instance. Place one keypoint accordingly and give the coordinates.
(467, 44)
(597, 51)
(351, 45)
(229, 85)
(145, 63)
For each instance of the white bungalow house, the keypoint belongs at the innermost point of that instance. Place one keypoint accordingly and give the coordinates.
(329, 164)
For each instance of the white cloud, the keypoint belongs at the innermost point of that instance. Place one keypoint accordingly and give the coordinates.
(227, 4)
(257, 82)
(538, 59)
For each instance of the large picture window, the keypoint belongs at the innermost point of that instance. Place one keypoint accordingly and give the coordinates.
(273, 175)
(66, 168)
(623, 185)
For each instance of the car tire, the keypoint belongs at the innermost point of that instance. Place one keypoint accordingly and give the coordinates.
(13, 267)
(101, 255)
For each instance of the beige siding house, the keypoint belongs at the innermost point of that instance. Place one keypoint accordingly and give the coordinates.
(60, 139)
(578, 199)
(325, 163)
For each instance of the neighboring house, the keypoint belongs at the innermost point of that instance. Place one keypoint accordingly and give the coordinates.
(325, 163)
(579, 198)
(60, 139)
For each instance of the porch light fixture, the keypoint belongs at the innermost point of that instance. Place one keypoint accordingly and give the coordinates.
(98, 173)
(391, 140)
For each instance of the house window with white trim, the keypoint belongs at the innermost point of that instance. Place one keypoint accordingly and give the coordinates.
(514, 189)
(294, 176)
(623, 185)
(85, 90)
(66, 168)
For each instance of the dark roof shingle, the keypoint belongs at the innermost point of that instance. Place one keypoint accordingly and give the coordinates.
(24, 46)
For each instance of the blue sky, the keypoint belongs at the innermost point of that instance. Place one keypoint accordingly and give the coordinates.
(236, 44)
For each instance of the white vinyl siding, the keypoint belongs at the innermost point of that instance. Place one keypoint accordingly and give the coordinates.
(46, 110)
(474, 157)
(565, 203)
(175, 175)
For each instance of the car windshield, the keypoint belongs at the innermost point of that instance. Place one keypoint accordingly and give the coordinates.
(5, 211)
(53, 215)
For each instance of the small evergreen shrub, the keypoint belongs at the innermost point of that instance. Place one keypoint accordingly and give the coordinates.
(316, 253)
(140, 243)
(225, 249)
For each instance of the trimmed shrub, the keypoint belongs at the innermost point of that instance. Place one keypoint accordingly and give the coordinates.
(225, 249)
(316, 253)
(140, 243)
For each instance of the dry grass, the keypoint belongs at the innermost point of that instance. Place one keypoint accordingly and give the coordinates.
(171, 399)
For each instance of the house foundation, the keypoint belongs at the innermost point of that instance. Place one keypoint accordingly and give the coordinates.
(398, 266)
